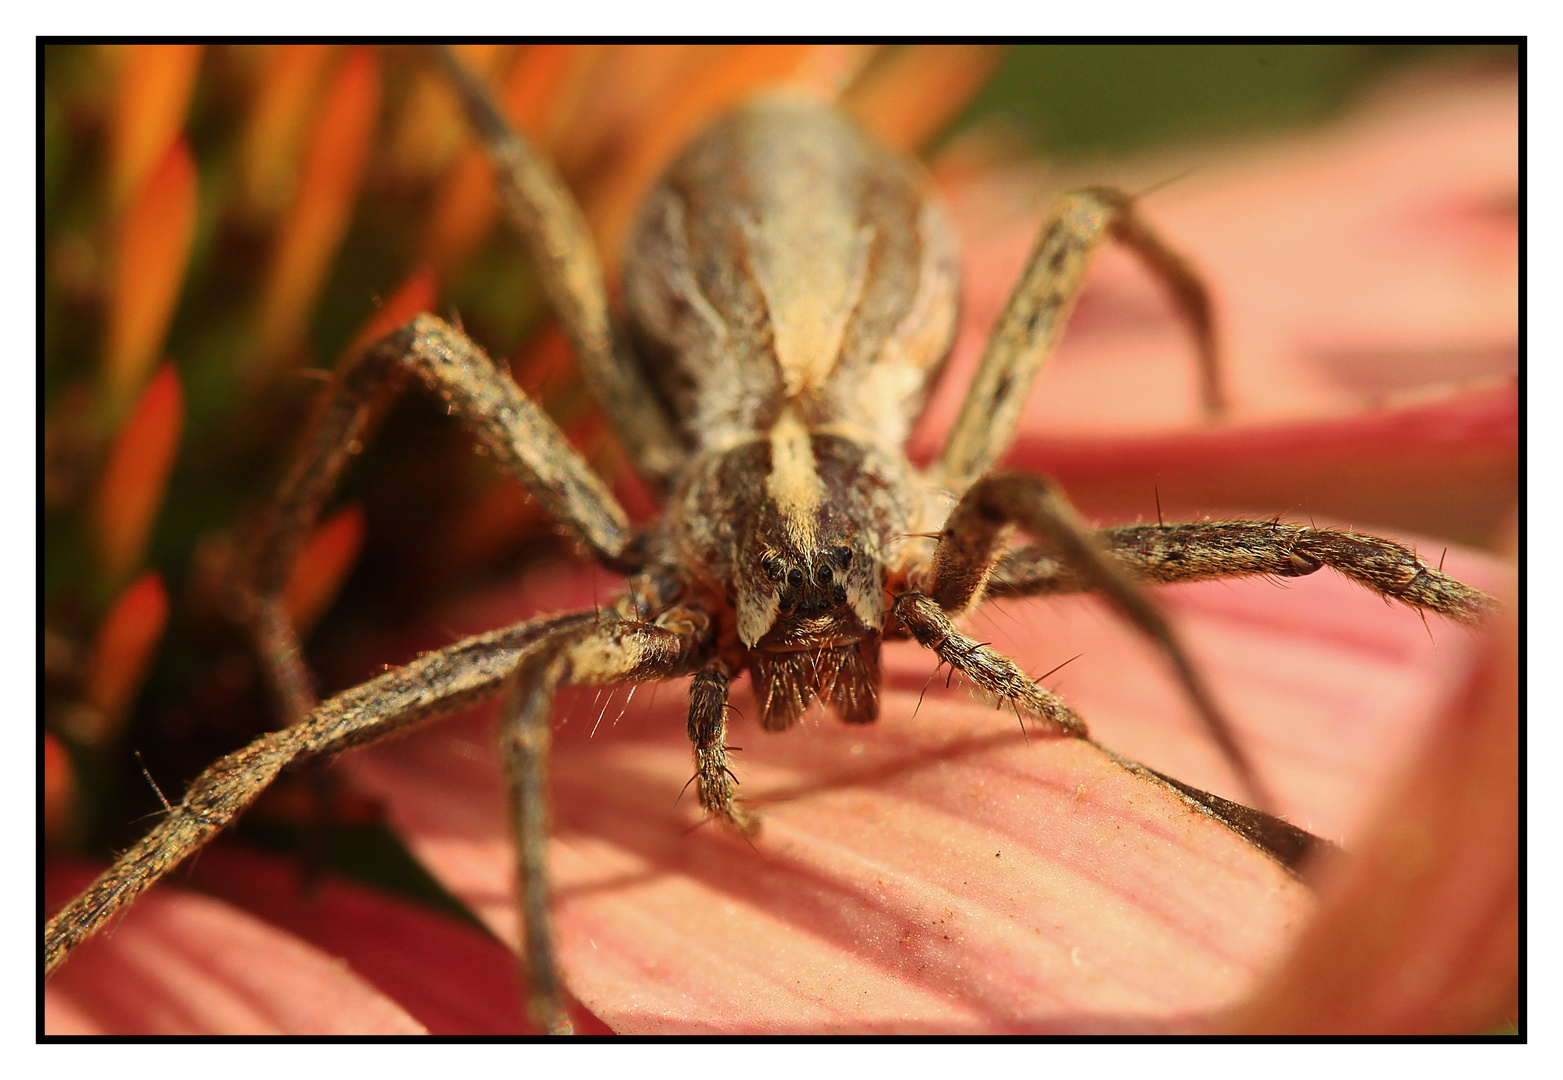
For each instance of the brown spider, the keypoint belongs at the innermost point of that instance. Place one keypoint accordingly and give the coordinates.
(790, 289)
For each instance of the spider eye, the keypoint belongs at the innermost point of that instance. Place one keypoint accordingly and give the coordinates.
(771, 567)
(823, 574)
(795, 577)
(841, 556)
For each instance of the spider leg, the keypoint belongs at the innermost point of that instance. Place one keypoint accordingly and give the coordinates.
(1296, 849)
(437, 683)
(708, 734)
(972, 543)
(986, 667)
(555, 231)
(1204, 550)
(516, 433)
(1038, 310)
(594, 653)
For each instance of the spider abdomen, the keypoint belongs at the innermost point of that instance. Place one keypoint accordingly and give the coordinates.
(787, 261)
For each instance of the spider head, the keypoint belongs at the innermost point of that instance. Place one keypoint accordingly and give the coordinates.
(805, 599)
(791, 530)
(811, 614)
(807, 568)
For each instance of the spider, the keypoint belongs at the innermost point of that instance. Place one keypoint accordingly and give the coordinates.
(790, 289)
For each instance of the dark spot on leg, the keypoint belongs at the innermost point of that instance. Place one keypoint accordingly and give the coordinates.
(1001, 389)
(1299, 564)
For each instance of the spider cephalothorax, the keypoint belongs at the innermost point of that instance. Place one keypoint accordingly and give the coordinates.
(792, 563)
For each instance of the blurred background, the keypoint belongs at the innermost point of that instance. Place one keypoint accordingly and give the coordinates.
(222, 225)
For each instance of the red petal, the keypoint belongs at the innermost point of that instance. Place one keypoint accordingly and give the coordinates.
(1448, 465)
(130, 488)
(150, 102)
(454, 979)
(323, 565)
(152, 251)
(330, 173)
(123, 649)
(182, 964)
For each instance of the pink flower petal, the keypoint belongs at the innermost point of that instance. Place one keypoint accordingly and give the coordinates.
(182, 964)
(1419, 932)
(937, 871)
(1448, 464)
(1372, 257)
(452, 978)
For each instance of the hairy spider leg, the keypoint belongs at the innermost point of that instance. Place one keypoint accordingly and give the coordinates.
(985, 666)
(517, 434)
(470, 671)
(708, 734)
(1206, 550)
(556, 234)
(1039, 309)
(1024, 337)
(606, 652)
(973, 542)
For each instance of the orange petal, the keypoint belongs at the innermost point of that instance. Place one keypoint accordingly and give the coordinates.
(487, 525)
(466, 207)
(918, 89)
(533, 83)
(828, 70)
(332, 168)
(126, 641)
(431, 129)
(152, 251)
(183, 964)
(323, 565)
(287, 86)
(150, 102)
(416, 294)
(130, 489)
(545, 364)
(725, 78)
(609, 94)
(59, 787)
